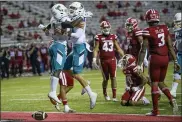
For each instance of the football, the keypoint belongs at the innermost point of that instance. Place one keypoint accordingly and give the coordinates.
(39, 115)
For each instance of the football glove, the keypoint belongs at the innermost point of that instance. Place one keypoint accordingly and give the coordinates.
(94, 64)
(135, 89)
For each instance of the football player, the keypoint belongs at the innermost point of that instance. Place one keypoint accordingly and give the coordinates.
(57, 52)
(135, 90)
(44, 55)
(178, 44)
(157, 39)
(106, 44)
(77, 58)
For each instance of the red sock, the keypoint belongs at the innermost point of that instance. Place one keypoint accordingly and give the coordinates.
(155, 96)
(167, 93)
(114, 93)
(105, 91)
(64, 102)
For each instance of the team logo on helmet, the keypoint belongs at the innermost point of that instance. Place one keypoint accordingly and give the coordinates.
(131, 24)
(105, 27)
(152, 15)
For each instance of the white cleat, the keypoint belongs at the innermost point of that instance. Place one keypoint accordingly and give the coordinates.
(173, 93)
(53, 96)
(93, 99)
(84, 90)
(68, 110)
(174, 106)
(107, 98)
(114, 100)
(145, 101)
(57, 107)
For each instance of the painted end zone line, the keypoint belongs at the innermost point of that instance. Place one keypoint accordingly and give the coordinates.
(87, 113)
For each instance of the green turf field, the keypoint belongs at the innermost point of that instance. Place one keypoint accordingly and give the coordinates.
(30, 94)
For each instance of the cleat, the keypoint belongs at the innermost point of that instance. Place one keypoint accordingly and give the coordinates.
(152, 113)
(174, 105)
(145, 101)
(114, 100)
(107, 98)
(57, 107)
(93, 99)
(173, 93)
(53, 96)
(67, 109)
(84, 90)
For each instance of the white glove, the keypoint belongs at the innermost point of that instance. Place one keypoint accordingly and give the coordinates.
(137, 69)
(135, 89)
(41, 26)
(127, 88)
(88, 14)
(94, 64)
(119, 63)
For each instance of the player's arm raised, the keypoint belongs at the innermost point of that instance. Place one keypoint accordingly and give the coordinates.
(171, 50)
(118, 49)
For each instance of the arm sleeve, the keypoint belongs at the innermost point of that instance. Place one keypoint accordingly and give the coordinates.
(79, 33)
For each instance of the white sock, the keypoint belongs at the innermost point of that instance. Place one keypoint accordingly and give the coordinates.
(54, 83)
(174, 86)
(89, 90)
(66, 107)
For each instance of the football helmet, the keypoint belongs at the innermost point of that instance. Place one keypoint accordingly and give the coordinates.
(131, 24)
(127, 62)
(105, 27)
(177, 21)
(59, 11)
(152, 15)
(76, 9)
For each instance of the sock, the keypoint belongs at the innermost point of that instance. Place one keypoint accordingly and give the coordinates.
(114, 93)
(174, 86)
(65, 102)
(54, 83)
(155, 96)
(89, 90)
(105, 91)
(167, 93)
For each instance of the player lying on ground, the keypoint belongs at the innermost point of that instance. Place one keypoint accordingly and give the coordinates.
(135, 89)
(157, 39)
(106, 44)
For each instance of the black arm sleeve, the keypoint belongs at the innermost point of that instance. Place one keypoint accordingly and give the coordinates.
(66, 25)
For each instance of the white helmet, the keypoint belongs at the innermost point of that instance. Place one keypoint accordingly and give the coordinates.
(59, 11)
(76, 9)
(177, 21)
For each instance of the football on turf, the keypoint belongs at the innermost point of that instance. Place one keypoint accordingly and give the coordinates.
(39, 115)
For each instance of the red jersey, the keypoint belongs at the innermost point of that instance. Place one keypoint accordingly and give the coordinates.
(43, 51)
(157, 37)
(19, 54)
(134, 45)
(106, 46)
(132, 79)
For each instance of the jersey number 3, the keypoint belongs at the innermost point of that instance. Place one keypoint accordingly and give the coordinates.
(108, 46)
(162, 41)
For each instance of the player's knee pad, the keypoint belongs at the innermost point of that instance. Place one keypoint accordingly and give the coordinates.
(177, 76)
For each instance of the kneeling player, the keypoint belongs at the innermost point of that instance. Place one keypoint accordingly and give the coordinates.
(135, 89)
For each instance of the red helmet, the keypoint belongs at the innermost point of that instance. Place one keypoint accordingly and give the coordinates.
(152, 15)
(131, 24)
(128, 62)
(105, 27)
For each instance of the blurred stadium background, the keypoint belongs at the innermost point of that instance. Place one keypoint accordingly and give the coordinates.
(19, 22)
